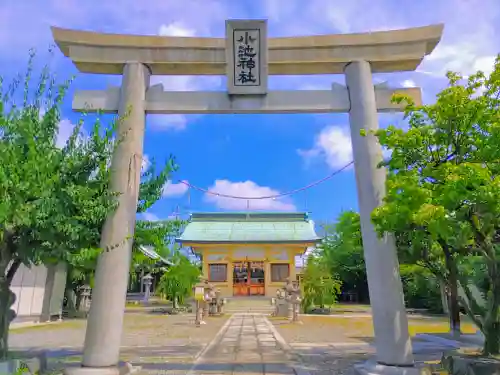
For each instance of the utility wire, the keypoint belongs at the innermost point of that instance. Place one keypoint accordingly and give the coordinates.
(206, 191)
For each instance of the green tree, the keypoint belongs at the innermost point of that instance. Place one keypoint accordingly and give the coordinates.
(319, 286)
(52, 198)
(421, 289)
(342, 251)
(430, 255)
(443, 188)
(177, 282)
(156, 234)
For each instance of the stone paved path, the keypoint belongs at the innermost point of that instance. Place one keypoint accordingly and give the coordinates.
(247, 344)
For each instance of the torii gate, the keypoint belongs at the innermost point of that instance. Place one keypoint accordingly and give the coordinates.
(246, 56)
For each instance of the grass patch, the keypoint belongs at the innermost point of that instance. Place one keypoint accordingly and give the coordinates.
(133, 304)
(474, 352)
(71, 324)
(164, 359)
(416, 327)
(277, 318)
(17, 355)
(67, 359)
(364, 326)
(348, 306)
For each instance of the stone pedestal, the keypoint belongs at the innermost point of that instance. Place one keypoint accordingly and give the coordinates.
(213, 308)
(218, 303)
(281, 308)
(374, 368)
(199, 313)
(123, 369)
(280, 304)
(466, 364)
(390, 322)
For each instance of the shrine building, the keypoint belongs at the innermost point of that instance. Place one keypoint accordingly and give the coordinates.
(249, 254)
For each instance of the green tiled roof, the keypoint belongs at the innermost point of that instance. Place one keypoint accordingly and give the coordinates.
(242, 227)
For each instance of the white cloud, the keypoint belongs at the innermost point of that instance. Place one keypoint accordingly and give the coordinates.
(66, 128)
(247, 189)
(176, 29)
(183, 83)
(180, 83)
(466, 45)
(171, 190)
(408, 83)
(148, 216)
(169, 122)
(145, 162)
(333, 144)
(132, 17)
(386, 153)
(301, 260)
(462, 58)
(485, 64)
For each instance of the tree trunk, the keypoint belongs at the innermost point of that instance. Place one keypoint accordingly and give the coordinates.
(453, 305)
(71, 300)
(78, 298)
(491, 326)
(492, 338)
(7, 299)
(174, 302)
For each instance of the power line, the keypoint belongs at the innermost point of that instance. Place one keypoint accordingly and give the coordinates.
(206, 191)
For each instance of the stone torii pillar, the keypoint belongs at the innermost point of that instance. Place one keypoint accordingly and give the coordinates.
(392, 341)
(104, 328)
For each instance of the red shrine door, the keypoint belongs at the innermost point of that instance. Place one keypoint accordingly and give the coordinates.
(248, 279)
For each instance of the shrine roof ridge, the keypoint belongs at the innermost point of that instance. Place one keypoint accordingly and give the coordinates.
(249, 228)
(387, 51)
(249, 216)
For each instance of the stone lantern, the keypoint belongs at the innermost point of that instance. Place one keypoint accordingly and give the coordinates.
(85, 298)
(293, 297)
(200, 299)
(209, 300)
(280, 304)
(147, 282)
(216, 303)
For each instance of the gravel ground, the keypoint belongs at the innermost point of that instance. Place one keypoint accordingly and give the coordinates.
(169, 344)
(351, 329)
(326, 329)
(331, 363)
(166, 344)
(327, 345)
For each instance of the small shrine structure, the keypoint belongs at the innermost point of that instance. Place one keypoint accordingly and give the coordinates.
(249, 254)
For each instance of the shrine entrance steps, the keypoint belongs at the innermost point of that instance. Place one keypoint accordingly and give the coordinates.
(254, 304)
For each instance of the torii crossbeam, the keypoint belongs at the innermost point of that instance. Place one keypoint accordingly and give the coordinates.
(159, 101)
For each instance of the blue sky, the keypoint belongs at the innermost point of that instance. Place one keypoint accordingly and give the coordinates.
(254, 155)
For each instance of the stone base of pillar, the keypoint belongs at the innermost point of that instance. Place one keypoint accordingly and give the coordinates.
(124, 369)
(374, 368)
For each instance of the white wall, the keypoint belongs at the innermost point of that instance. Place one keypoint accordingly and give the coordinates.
(39, 291)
